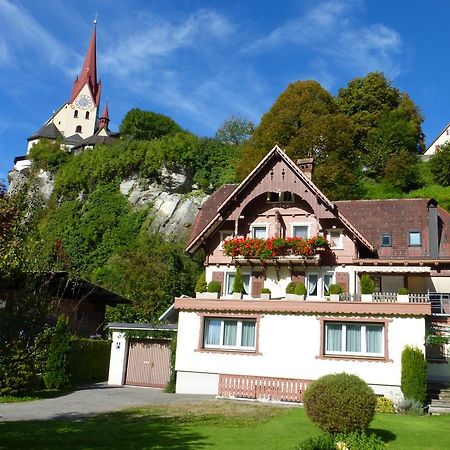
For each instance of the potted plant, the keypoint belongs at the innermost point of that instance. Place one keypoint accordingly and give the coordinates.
(367, 287)
(265, 293)
(290, 291)
(335, 291)
(403, 295)
(238, 284)
(201, 287)
(300, 291)
(214, 289)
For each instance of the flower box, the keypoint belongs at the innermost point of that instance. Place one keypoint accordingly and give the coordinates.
(264, 296)
(206, 295)
(403, 298)
(366, 298)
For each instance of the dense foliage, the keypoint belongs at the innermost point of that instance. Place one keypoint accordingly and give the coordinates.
(235, 130)
(440, 165)
(414, 374)
(48, 155)
(340, 403)
(57, 373)
(367, 284)
(89, 360)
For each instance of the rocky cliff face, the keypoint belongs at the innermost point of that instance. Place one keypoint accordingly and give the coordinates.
(174, 200)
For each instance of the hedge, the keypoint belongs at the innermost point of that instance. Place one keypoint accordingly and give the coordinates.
(89, 360)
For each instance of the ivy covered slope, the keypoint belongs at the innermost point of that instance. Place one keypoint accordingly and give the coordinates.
(89, 227)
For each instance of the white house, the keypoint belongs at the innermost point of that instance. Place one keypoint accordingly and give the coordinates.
(441, 139)
(278, 227)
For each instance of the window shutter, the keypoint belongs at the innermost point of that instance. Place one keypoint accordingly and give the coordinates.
(342, 279)
(257, 284)
(298, 277)
(219, 276)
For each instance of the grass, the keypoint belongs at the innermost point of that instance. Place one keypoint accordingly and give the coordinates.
(35, 395)
(215, 424)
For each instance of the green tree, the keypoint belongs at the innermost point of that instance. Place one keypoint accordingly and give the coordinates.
(305, 122)
(147, 125)
(414, 374)
(48, 155)
(57, 373)
(440, 165)
(401, 171)
(235, 130)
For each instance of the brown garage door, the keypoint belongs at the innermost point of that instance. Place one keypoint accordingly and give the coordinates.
(148, 363)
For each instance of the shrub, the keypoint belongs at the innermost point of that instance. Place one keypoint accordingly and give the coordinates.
(340, 403)
(214, 286)
(359, 441)
(238, 284)
(300, 289)
(323, 441)
(409, 407)
(89, 360)
(440, 165)
(57, 373)
(290, 288)
(403, 291)
(367, 285)
(414, 374)
(171, 385)
(335, 289)
(265, 290)
(201, 285)
(384, 405)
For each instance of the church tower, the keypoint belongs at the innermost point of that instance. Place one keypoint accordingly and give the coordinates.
(76, 119)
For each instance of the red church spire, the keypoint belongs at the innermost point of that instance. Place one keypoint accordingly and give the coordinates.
(88, 74)
(103, 122)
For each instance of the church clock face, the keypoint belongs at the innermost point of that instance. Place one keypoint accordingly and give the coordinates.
(83, 102)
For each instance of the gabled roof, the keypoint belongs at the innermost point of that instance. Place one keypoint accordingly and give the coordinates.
(97, 139)
(48, 131)
(436, 138)
(216, 207)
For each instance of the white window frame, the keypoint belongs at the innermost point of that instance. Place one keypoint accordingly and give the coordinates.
(300, 224)
(229, 287)
(259, 225)
(416, 232)
(223, 235)
(318, 286)
(333, 278)
(238, 345)
(363, 352)
(340, 245)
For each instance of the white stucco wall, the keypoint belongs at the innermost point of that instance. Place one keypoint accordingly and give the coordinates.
(118, 359)
(289, 347)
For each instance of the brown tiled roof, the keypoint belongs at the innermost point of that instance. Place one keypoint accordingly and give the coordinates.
(396, 217)
(209, 209)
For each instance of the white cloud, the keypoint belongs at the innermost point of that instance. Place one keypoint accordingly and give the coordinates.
(19, 32)
(329, 30)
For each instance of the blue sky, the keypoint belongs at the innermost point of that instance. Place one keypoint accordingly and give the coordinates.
(201, 61)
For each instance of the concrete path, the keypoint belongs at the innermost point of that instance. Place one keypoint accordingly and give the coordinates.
(89, 401)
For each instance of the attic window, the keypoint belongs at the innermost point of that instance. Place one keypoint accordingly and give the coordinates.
(280, 197)
(386, 240)
(78, 129)
(414, 239)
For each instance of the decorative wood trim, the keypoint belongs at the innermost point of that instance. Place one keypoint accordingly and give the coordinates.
(362, 320)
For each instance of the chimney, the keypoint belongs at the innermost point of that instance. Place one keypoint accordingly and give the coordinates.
(306, 165)
(433, 230)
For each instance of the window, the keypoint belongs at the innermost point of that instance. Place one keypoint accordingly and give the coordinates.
(354, 339)
(75, 114)
(86, 116)
(280, 197)
(229, 333)
(335, 238)
(386, 240)
(230, 276)
(78, 129)
(300, 231)
(414, 239)
(327, 281)
(312, 284)
(225, 234)
(259, 231)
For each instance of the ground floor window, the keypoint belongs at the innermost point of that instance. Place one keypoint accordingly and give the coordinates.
(230, 282)
(229, 333)
(354, 339)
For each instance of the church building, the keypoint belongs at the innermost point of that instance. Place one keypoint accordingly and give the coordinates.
(77, 122)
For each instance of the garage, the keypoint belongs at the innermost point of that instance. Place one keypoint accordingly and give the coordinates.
(148, 363)
(140, 354)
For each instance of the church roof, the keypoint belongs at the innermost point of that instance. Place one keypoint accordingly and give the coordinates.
(88, 74)
(98, 139)
(48, 131)
(74, 139)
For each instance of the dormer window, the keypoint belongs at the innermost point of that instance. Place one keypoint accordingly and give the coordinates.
(78, 129)
(386, 240)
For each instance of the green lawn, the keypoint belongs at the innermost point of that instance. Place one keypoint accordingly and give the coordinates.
(215, 424)
(35, 395)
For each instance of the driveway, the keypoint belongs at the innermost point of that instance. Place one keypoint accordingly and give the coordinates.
(90, 400)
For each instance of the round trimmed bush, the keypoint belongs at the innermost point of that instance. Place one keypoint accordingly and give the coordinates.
(340, 403)
(290, 288)
(300, 289)
(214, 286)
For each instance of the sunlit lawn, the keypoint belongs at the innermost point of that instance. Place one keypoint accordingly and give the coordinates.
(215, 424)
